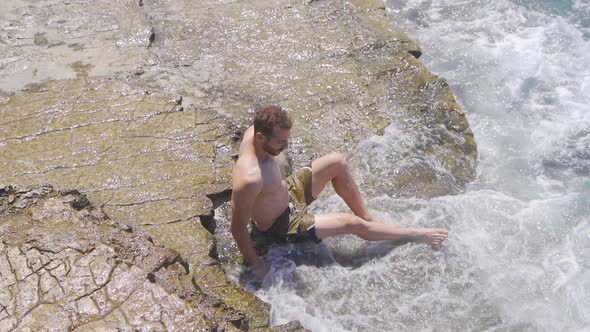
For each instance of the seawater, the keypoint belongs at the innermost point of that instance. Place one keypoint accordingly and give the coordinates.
(518, 255)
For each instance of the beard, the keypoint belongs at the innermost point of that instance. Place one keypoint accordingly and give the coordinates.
(274, 152)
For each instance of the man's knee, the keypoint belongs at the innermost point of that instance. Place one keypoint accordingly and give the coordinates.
(355, 225)
(338, 160)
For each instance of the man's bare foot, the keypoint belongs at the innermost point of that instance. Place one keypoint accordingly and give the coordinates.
(432, 236)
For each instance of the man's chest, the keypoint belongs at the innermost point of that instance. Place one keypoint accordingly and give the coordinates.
(272, 179)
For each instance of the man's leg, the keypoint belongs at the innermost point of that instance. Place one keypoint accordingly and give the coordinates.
(332, 224)
(334, 168)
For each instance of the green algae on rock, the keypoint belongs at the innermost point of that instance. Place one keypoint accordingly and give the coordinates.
(438, 156)
(129, 150)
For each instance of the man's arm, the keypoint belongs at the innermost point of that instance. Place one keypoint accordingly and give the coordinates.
(242, 201)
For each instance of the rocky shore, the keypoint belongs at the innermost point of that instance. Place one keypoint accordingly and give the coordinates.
(65, 265)
(133, 110)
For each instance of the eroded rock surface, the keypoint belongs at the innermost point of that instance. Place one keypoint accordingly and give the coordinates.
(67, 266)
(64, 264)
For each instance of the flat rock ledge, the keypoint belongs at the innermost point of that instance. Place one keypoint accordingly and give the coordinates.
(66, 265)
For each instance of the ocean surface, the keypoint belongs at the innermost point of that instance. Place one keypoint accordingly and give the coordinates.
(518, 255)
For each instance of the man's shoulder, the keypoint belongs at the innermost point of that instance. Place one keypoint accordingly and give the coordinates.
(247, 173)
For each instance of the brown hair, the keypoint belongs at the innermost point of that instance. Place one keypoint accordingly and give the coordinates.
(270, 116)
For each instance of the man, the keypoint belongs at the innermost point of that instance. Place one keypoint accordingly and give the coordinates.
(277, 206)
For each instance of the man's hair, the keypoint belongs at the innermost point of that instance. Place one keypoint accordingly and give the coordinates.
(269, 117)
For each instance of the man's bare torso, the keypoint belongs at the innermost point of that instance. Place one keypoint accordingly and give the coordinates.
(273, 198)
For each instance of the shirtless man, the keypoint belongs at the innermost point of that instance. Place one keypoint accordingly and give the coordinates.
(277, 206)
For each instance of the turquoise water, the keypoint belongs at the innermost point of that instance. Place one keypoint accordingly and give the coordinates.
(518, 255)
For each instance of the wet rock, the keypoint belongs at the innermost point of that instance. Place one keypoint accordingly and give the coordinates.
(294, 326)
(339, 67)
(40, 39)
(78, 274)
(429, 150)
(109, 35)
(76, 200)
(130, 152)
(137, 158)
(183, 237)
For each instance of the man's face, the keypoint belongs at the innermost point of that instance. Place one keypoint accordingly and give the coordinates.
(277, 142)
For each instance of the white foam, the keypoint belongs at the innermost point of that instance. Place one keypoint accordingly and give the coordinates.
(518, 254)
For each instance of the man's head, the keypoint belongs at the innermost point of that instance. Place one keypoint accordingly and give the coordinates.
(272, 127)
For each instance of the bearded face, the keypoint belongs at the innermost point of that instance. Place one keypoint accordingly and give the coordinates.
(277, 142)
(270, 149)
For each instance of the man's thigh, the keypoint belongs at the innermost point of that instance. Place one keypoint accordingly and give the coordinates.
(323, 170)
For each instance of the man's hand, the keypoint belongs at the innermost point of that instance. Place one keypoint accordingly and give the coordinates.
(261, 268)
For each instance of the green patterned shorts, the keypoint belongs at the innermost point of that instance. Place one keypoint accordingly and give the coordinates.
(295, 224)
